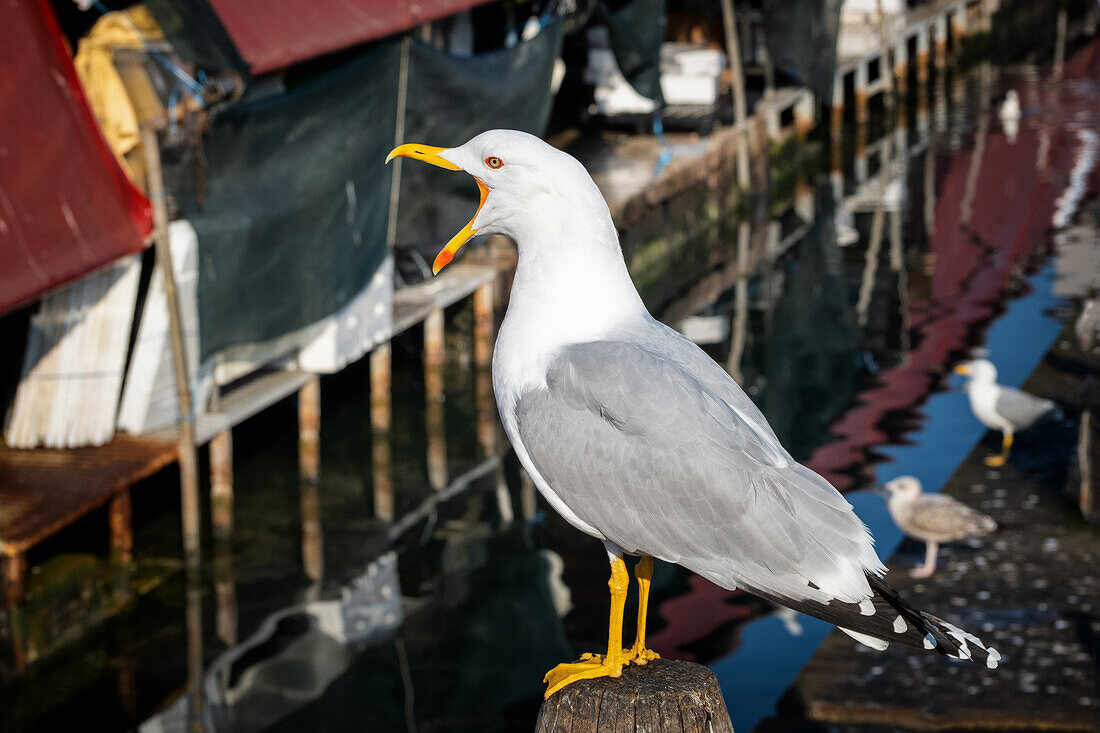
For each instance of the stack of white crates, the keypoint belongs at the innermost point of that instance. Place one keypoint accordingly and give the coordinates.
(690, 72)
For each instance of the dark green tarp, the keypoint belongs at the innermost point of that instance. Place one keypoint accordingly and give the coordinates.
(802, 40)
(637, 30)
(296, 193)
(453, 99)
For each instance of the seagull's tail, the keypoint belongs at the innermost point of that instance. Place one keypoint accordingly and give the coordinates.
(888, 618)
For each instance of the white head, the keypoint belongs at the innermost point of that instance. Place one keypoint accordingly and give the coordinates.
(527, 189)
(978, 370)
(903, 487)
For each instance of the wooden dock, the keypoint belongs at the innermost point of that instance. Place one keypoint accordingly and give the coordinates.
(43, 491)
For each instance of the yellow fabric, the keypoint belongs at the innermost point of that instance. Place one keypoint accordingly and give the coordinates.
(107, 94)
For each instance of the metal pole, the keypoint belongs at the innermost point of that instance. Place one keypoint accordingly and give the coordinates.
(733, 52)
(398, 134)
(189, 475)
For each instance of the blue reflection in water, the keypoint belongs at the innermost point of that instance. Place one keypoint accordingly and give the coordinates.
(757, 674)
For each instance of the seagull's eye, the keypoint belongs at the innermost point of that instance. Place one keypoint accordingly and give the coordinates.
(494, 162)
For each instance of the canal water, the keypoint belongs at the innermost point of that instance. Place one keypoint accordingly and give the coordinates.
(919, 242)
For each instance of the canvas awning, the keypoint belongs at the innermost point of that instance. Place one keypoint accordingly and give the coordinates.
(268, 36)
(66, 207)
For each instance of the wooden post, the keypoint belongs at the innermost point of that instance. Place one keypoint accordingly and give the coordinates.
(122, 531)
(484, 318)
(381, 384)
(663, 695)
(433, 394)
(901, 64)
(922, 54)
(862, 108)
(434, 343)
(221, 484)
(941, 42)
(958, 25)
(188, 461)
(836, 118)
(309, 430)
(733, 53)
(381, 416)
(15, 577)
(225, 592)
(313, 547)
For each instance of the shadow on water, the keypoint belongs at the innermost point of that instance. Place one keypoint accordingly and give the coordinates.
(838, 320)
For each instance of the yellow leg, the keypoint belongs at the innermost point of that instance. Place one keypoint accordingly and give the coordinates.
(644, 572)
(594, 665)
(1000, 460)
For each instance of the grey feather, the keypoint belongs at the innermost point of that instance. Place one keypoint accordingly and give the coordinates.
(940, 518)
(1020, 408)
(682, 475)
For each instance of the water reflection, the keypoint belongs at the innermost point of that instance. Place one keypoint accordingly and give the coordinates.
(432, 589)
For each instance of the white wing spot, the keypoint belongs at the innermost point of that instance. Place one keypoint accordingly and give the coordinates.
(866, 608)
(993, 658)
(900, 627)
(929, 641)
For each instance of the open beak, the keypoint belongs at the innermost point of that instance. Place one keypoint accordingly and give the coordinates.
(961, 369)
(431, 154)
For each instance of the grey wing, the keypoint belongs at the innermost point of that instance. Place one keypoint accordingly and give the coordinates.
(942, 518)
(637, 447)
(1020, 408)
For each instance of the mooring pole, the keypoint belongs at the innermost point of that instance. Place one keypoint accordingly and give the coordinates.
(733, 53)
(673, 696)
(189, 474)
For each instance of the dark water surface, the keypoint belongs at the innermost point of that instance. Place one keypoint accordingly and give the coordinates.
(318, 615)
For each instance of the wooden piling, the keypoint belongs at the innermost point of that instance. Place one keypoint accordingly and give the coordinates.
(188, 460)
(14, 568)
(120, 520)
(862, 106)
(836, 117)
(663, 695)
(221, 484)
(959, 23)
(484, 317)
(313, 553)
(381, 416)
(922, 54)
(733, 56)
(901, 64)
(434, 344)
(309, 430)
(941, 42)
(434, 356)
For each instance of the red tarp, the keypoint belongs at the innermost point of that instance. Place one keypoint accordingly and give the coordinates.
(272, 35)
(66, 207)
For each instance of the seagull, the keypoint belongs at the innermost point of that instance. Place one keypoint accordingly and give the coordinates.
(638, 438)
(934, 518)
(1002, 408)
(1010, 115)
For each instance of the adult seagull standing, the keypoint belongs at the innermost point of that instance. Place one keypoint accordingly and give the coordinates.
(638, 438)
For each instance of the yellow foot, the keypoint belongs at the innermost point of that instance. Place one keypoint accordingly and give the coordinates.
(995, 461)
(641, 657)
(590, 667)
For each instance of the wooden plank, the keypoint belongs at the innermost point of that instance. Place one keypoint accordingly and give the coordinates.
(412, 305)
(43, 491)
(242, 403)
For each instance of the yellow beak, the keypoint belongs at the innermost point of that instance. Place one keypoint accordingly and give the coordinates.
(961, 369)
(430, 154)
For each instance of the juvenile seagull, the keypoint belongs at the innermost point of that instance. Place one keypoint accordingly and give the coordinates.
(934, 518)
(1002, 408)
(638, 438)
